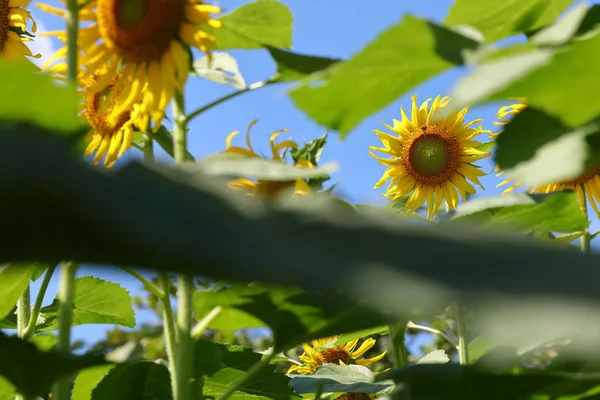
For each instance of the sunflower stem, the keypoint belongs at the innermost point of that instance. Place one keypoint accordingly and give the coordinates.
(151, 287)
(23, 312)
(35, 311)
(72, 20)
(461, 326)
(169, 326)
(586, 239)
(65, 297)
(184, 360)
(398, 342)
(250, 374)
(251, 87)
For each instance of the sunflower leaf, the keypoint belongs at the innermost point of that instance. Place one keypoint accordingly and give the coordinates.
(339, 378)
(255, 25)
(14, 279)
(221, 68)
(354, 89)
(294, 66)
(497, 19)
(129, 381)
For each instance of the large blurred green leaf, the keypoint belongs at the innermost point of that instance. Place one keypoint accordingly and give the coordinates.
(96, 301)
(32, 371)
(218, 366)
(497, 19)
(457, 382)
(339, 378)
(45, 104)
(88, 379)
(558, 212)
(294, 66)
(254, 25)
(293, 316)
(163, 218)
(14, 279)
(141, 380)
(402, 57)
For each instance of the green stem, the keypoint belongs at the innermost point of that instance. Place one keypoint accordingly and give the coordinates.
(199, 329)
(169, 325)
(434, 331)
(23, 312)
(463, 342)
(398, 342)
(250, 374)
(586, 239)
(151, 287)
(37, 306)
(72, 20)
(65, 315)
(253, 86)
(185, 349)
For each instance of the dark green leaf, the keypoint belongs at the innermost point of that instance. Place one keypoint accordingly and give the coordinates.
(96, 301)
(294, 66)
(376, 76)
(497, 19)
(222, 68)
(339, 378)
(32, 371)
(88, 379)
(139, 381)
(14, 279)
(558, 212)
(218, 366)
(255, 25)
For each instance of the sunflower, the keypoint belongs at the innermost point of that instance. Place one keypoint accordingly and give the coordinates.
(13, 30)
(431, 156)
(322, 351)
(267, 189)
(109, 136)
(143, 44)
(356, 396)
(586, 185)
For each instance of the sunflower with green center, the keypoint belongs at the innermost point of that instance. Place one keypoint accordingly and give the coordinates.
(267, 189)
(322, 351)
(13, 28)
(143, 47)
(431, 156)
(586, 185)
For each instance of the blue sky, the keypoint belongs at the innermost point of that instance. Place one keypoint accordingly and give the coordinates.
(333, 28)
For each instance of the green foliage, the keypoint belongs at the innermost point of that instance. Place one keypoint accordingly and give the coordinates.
(221, 68)
(497, 19)
(339, 379)
(14, 279)
(384, 75)
(294, 66)
(255, 25)
(139, 380)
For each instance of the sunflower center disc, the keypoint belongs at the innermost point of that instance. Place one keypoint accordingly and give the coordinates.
(140, 30)
(96, 111)
(334, 355)
(4, 10)
(429, 155)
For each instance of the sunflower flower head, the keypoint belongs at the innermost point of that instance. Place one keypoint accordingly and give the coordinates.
(143, 46)
(356, 396)
(322, 351)
(587, 185)
(13, 30)
(110, 136)
(267, 190)
(431, 156)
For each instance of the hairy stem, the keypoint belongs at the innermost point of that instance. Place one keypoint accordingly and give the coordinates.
(586, 239)
(65, 315)
(37, 306)
(463, 341)
(23, 312)
(72, 20)
(151, 287)
(398, 342)
(201, 326)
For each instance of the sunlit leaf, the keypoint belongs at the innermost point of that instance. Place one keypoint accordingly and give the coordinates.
(143, 379)
(339, 378)
(88, 379)
(14, 279)
(221, 68)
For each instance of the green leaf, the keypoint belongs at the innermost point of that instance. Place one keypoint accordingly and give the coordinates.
(163, 137)
(7, 389)
(236, 165)
(293, 316)
(255, 25)
(563, 30)
(338, 378)
(39, 271)
(218, 366)
(49, 106)
(553, 152)
(141, 380)
(44, 342)
(14, 279)
(295, 66)
(497, 19)
(222, 68)
(32, 371)
(88, 379)
(557, 212)
(460, 382)
(376, 76)
(96, 301)
(435, 357)
(478, 347)
(229, 318)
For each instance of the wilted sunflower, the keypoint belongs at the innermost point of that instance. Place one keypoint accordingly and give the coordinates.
(322, 351)
(143, 44)
(267, 189)
(588, 182)
(109, 136)
(431, 156)
(13, 30)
